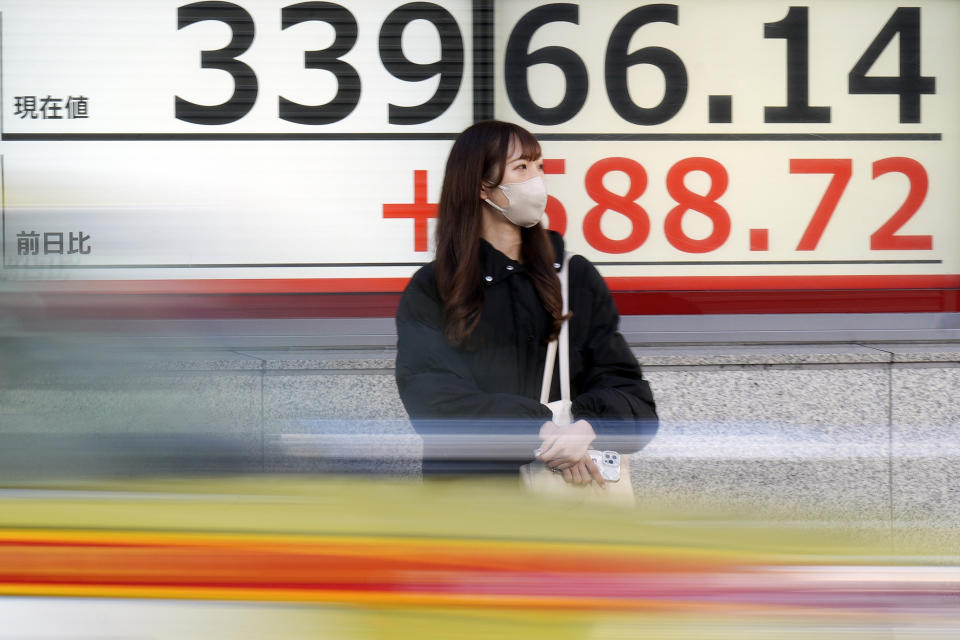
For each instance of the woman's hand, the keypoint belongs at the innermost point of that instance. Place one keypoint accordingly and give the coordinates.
(564, 449)
(565, 446)
(584, 472)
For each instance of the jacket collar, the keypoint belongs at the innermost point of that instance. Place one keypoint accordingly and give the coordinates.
(496, 266)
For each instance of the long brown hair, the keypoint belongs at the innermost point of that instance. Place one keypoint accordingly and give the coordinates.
(479, 154)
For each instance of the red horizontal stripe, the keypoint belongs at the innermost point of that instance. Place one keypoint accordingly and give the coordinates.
(54, 311)
(47, 303)
(176, 582)
(396, 285)
(784, 302)
(575, 586)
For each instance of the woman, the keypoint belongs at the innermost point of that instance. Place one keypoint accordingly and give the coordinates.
(473, 327)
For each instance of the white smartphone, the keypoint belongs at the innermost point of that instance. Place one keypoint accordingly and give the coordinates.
(608, 462)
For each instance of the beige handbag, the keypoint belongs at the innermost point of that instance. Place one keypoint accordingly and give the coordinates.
(536, 476)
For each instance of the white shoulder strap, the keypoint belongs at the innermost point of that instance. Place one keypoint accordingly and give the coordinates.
(563, 340)
(565, 329)
(548, 372)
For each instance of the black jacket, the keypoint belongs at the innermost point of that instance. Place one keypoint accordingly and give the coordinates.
(478, 407)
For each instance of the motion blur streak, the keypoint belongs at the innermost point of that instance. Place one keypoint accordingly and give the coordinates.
(451, 558)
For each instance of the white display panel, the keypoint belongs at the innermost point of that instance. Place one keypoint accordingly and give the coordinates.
(133, 64)
(685, 141)
(758, 105)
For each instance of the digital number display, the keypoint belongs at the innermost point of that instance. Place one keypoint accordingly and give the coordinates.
(685, 143)
(449, 66)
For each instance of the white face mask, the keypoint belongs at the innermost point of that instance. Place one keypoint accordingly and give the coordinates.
(528, 201)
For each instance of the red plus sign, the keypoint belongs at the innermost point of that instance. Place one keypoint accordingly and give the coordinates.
(420, 210)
